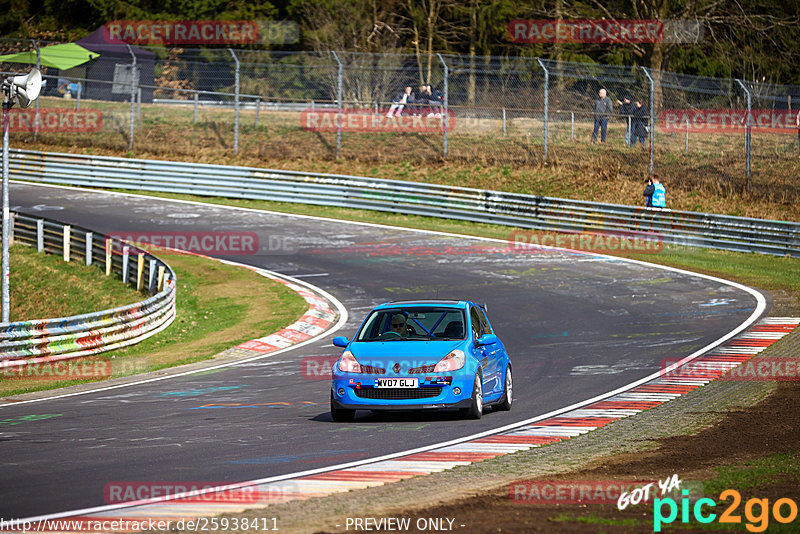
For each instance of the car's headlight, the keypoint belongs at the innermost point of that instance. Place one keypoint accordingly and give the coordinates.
(348, 363)
(452, 362)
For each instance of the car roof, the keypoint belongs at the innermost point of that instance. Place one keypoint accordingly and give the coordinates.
(435, 302)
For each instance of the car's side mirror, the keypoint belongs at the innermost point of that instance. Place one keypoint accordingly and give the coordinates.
(487, 339)
(340, 341)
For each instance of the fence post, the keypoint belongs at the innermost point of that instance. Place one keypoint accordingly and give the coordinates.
(546, 104)
(139, 102)
(571, 125)
(196, 102)
(40, 235)
(133, 96)
(504, 122)
(236, 105)
(36, 103)
(747, 123)
(89, 239)
(339, 103)
(686, 148)
(445, 114)
(652, 117)
(258, 107)
(78, 96)
(67, 241)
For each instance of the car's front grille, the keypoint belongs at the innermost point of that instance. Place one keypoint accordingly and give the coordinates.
(398, 393)
(422, 370)
(372, 370)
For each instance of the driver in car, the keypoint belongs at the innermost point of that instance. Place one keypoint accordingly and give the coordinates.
(399, 325)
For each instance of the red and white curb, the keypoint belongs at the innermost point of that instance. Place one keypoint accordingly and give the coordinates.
(670, 384)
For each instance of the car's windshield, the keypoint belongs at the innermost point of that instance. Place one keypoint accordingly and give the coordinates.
(413, 322)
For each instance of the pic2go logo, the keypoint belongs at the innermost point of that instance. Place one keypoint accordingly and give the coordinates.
(756, 521)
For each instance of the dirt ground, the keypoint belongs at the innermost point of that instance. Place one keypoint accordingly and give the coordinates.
(769, 428)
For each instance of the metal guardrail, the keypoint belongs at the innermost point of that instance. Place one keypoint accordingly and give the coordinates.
(24, 342)
(518, 210)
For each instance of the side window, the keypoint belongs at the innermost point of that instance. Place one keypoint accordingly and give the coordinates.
(475, 319)
(487, 328)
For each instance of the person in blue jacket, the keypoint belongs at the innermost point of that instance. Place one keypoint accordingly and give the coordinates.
(659, 193)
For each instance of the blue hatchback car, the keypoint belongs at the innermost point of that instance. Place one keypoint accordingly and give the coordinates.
(413, 355)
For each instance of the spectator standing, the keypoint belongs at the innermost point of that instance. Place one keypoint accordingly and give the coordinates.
(648, 193)
(602, 109)
(659, 193)
(641, 120)
(400, 101)
(437, 101)
(626, 110)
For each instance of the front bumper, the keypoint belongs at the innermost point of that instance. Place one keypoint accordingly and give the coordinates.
(447, 398)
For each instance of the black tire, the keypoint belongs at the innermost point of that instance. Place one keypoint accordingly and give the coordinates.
(508, 393)
(341, 415)
(475, 410)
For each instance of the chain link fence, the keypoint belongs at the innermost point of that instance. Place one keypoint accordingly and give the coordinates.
(482, 110)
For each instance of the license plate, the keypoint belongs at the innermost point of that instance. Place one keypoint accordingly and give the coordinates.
(396, 382)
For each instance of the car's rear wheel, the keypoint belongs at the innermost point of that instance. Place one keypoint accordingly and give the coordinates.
(341, 415)
(475, 410)
(508, 393)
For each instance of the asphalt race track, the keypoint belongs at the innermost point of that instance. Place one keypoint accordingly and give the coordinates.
(575, 325)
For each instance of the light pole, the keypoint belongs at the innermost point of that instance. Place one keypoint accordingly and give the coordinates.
(23, 90)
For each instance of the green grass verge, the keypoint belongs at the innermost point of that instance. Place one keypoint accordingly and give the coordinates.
(81, 289)
(218, 306)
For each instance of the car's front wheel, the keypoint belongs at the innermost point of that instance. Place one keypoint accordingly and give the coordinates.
(341, 415)
(508, 393)
(475, 410)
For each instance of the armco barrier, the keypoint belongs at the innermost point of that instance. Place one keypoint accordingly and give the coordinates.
(47, 340)
(525, 211)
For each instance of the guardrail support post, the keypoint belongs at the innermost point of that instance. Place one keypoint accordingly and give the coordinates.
(78, 96)
(140, 272)
(546, 104)
(196, 103)
(258, 107)
(160, 278)
(67, 241)
(151, 276)
(109, 246)
(126, 256)
(236, 105)
(40, 235)
(89, 239)
(652, 117)
(747, 129)
(339, 104)
(504, 122)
